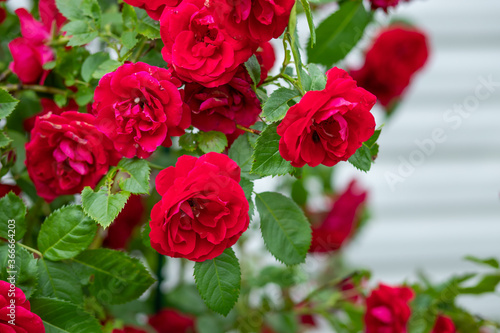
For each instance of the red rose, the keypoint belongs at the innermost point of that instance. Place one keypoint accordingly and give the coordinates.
(154, 8)
(266, 57)
(3, 13)
(397, 53)
(258, 20)
(340, 222)
(384, 4)
(387, 309)
(197, 49)
(221, 108)
(327, 126)
(443, 325)
(25, 320)
(139, 107)
(171, 321)
(6, 188)
(67, 153)
(128, 329)
(121, 229)
(48, 105)
(203, 209)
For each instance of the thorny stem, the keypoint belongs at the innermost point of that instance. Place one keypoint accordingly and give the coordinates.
(34, 87)
(249, 130)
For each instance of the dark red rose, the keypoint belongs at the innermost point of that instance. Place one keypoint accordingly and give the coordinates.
(340, 222)
(351, 290)
(48, 105)
(197, 48)
(258, 20)
(6, 188)
(266, 57)
(384, 4)
(139, 107)
(221, 108)
(154, 8)
(172, 321)
(123, 226)
(129, 329)
(387, 309)
(66, 153)
(395, 56)
(329, 125)
(3, 13)
(444, 325)
(24, 319)
(203, 209)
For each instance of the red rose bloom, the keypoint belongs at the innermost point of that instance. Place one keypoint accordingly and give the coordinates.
(171, 321)
(25, 320)
(266, 57)
(203, 209)
(397, 53)
(340, 222)
(327, 126)
(154, 8)
(387, 309)
(258, 20)
(443, 325)
(5, 189)
(384, 4)
(3, 13)
(122, 227)
(139, 107)
(67, 153)
(197, 49)
(129, 329)
(221, 108)
(48, 105)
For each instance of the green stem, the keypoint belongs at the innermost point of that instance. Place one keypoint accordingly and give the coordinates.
(249, 130)
(38, 253)
(156, 166)
(296, 61)
(140, 50)
(34, 87)
(5, 74)
(159, 274)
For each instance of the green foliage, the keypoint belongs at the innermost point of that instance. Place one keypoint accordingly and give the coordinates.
(7, 104)
(92, 63)
(247, 186)
(241, 152)
(278, 104)
(366, 154)
(339, 33)
(66, 233)
(318, 79)
(310, 22)
(253, 67)
(103, 206)
(4, 140)
(57, 280)
(12, 209)
(148, 27)
(22, 264)
(218, 281)
(285, 229)
(137, 170)
(212, 142)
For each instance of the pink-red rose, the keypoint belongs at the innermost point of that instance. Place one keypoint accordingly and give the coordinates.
(203, 209)
(443, 324)
(66, 153)
(327, 126)
(257, 20)
(341, 221)
(48, 105)
(172, 321)
(266, 57)
(222, 108)
(6, 188)
(139, 107)
(387, 309)
(197, 48)
(129, 329)
(384, 4)
(123, 226)
(154, 8)
(25, 320)
(391, 62)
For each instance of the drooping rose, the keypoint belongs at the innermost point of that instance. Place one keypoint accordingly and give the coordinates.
(203, 209)
(443, 324)
(391, 62)
(258, 20)
(122, 227)
(172, 321)
(139, 107)
(25, 320)
(387, 309)
(327, 126)
(197, 49)
(66, 153)
(340, 222)
(266, 57)
(48, 105)
(222, 108)
(129, 329)
(154, 8)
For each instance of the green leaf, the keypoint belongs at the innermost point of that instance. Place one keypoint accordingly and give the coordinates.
(7, 104)
(12, 209)
(70, 9)
(488, 284)
(138, 170)
(149, 28)
(129, 39)
(284, 322)
(318, 77)
(57, 280)
(92, 63)
(247, 186)
(63, 317)
(80, 32)
(491, 262)
(362, 158)
(285, 229)
(106, 67)
(267, 160)
(339, 33)
(253, 67)
(66, 233)
(118, 278)
(212, 142)
(218, 281)
(310, 22)
(129, 17)
(17, 261)
(84, 96)
(241, 152)
(146, 229)
(277, 105)
(4, 140)
(18, 143)
(188, 141)
(103, 206)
